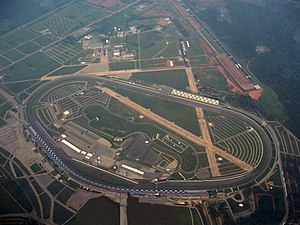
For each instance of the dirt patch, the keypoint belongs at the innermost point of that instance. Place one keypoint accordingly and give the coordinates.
(235, 73)
(206, 68)
(261, 49)
(233, 87)
(194, 24)
(256, 94)
(205, 46)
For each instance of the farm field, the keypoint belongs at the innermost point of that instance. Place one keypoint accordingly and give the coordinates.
(11, 21)
(8, 204)
(95, 210)
(66, 70)
(32, 67)
(44, 45)
(173, 78)
(18, 87)
(143, 213)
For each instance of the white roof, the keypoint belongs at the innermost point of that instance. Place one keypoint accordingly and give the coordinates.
(132, 169)
(67, 112)
(73, 147)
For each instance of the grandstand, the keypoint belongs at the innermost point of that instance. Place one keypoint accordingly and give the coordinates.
(236, 138)
(195, 97)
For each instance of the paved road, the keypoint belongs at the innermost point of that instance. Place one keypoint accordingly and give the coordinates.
(168, 186)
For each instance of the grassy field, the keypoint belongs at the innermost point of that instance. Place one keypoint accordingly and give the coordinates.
(173, 78)
(106, 25)
(37, 187)
(43, 40)
(28, 47)
(132, 43)
(160, 62)
(45, 199)
(2, 100)
(195, 49)
(6, 90)
(203, 162)
(14, 55)
(119, 126)
(276, 177)
(183, 116)
(189, 160)
(8, 204)
(32, 67)
(266, 204)
(55, 187)
(19, 173)
(121, 65)
(172, 48)
(271, 105)
(235, 205)
(122, 127)
(4, 108)
(60, 214)
(18, 162)
(35, 168)
(153, 63)
(198, 60)
(10, 20)
(4, 47)
(66, 70)
(151, 43)
(32, 88)
(212, 79)
(17, 191)
(97, 211)
(65, 195)
(19, 87)
(4, 62)
(149, 214)
(126, 112)
(22, 96)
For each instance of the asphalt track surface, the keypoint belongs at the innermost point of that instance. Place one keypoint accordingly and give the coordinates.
(180, 187)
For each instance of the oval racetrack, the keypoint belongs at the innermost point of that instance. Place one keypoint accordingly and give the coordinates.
(56, 154)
